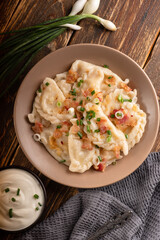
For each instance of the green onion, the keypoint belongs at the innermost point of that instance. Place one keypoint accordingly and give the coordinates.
(119, 114)
(105, 66)
(59, 104)
(73, 92)
(112, 116)
(88, 99)
(74, 99)
(81, 122)
(82, 109)
(126, 136)
(120, 99)
(96, 146)
(67, 134)
(98, 119)
(109, 138)
(13, 199)
(88, 122)
(18, 191)
(79, 83)
(37, 208)
(47, 83)
(109, 132)
(99, 158)
(90, 114)
(109, 85)
(74, 116)
(36, 196)
(81, 102)
(39, 204)
(114, 163)
(62, 161)
(88, 129)
(93, 92)
(59, 126)
(110, 77)
(80, 135)
(77, 122)
(97, 130)
(39, 90)
(7, 190)
(127, 100)
(10, 212)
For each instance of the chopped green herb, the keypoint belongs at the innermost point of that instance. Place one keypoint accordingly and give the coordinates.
(109, 138)
(67, 134)
(97, 130)
(82, 109)
(18, 191)
(10, 212)
(127, 100)
(96, 100)
(37, 208)
(13, 199)
(99, 158)
(120, 99)
(96, 146)
(7, 190)
(77, 122)
(47, 83)
(62, 161)
(88, 129)
(98, 119)
(90, 114)
(74, 99)
(93, 92)
(36, 196)
(81, 102)
(119, 114)
(114, 163)
(74, 116)
(109, 132)
(97, 103)
(88, 99)
(40, 90)
(79, 83)
(73, 92)
(59, 126)
(109, 85)
(126, 136)
(110, 77)
(112, 116)
(88, 122)
(59, 104)
(80, 134)
(81, 122)
(105, 66)
(39, 204)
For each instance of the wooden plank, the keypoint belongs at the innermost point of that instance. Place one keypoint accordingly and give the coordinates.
(136, 33)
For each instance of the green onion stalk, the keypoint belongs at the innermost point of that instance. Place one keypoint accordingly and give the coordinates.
(25, 43)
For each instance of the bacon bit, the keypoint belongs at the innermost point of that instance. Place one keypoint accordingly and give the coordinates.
(79, 115)
(125, 87)
(57, 133)
(65, 126)
(101, 167)
(99, 95)
(86, 92)
(71, 76)
(68, 103)
(117, 151)
(102, 126)
(38, 127)
(75, 129)
(87, 144)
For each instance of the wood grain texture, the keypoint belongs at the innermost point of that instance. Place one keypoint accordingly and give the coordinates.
(137, 36)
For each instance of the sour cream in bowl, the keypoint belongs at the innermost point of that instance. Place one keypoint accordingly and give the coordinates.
(23, 198)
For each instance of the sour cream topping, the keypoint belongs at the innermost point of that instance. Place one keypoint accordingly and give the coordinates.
(21, 199)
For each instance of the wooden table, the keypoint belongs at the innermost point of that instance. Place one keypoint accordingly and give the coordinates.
(137, 36)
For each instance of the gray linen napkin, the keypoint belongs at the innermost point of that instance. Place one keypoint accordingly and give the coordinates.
(86, 212)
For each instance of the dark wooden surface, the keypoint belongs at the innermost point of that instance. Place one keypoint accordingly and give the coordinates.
(137, 36)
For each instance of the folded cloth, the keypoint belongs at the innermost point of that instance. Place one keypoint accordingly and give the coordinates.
(81, 216)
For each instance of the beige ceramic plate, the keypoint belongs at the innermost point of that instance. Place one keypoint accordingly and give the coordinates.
(60, 61)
